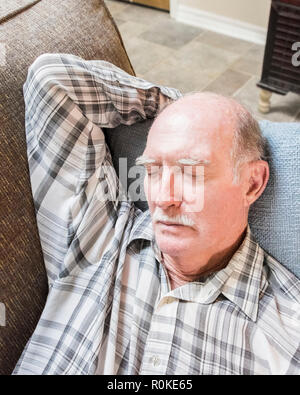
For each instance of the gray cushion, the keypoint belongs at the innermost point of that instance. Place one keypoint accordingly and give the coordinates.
(128, 142)
(275, 217)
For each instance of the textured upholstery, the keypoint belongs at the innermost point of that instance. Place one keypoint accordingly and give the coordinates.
(28, 29)
(10, 8)
(275, 216)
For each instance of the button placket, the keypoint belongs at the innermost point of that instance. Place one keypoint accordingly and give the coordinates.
(157, 350)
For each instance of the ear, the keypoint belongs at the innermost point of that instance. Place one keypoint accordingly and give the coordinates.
(258, 176)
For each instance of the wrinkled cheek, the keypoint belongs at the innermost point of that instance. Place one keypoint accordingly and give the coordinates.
(194, 197)
(223, 203)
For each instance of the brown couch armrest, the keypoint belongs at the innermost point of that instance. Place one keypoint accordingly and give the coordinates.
(83, 28)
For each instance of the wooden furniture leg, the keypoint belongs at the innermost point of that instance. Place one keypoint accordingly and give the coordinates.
(264, 101)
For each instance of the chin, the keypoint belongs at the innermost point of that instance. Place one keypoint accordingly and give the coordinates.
(171, 245)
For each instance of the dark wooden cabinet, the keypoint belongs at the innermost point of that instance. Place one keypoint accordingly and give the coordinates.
(281, 65)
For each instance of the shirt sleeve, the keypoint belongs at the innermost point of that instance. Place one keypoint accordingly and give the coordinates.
(67, 103)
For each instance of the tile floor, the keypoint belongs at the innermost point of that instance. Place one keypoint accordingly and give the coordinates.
(191, 59)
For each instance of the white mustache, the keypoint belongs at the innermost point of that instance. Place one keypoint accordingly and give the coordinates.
(177, 219)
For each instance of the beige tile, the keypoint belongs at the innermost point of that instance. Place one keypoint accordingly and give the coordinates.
(131, 30)
(251, 61)
(205, 59)
(119, 22)
(283, 108)
(115, 6)
(229, 43)
(145, 15)
(171, 33)
(145, 55)
(228, 82)
(191, 68)
(256, 52)
(177, 75)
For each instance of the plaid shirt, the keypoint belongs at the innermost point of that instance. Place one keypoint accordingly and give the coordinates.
(110, 309)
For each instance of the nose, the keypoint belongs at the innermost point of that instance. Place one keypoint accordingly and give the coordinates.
(170, 189)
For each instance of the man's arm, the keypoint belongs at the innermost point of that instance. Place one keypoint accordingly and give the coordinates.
(67, 102)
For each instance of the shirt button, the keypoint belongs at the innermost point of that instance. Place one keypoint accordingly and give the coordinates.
(155, 360)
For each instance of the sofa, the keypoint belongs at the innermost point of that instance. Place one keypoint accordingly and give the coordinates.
(86, 29)
(27, 29)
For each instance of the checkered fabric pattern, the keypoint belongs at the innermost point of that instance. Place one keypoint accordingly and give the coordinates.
(110, 309)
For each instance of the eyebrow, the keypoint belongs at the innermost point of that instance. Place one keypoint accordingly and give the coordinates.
(143, 160)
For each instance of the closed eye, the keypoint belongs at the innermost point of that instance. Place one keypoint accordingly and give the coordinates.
(153, 169)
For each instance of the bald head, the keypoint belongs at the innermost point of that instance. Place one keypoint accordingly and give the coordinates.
(225, 120)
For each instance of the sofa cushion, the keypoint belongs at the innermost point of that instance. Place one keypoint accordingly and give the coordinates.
(129, 142)
(275, 217)
(10, 8)
(28, 29)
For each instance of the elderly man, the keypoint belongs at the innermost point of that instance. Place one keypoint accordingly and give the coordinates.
(182, 288)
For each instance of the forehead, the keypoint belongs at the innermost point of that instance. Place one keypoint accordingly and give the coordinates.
(205, 135)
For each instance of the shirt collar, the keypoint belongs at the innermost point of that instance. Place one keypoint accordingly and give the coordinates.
(142, 226)
(247, 279)
(241, 281)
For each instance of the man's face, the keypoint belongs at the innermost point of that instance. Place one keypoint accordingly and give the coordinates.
(192, 138)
